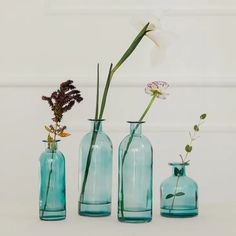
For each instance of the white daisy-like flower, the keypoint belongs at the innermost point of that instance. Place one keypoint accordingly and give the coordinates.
(157, 88)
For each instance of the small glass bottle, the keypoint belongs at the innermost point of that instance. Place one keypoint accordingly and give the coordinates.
(95, 187)
(179, 194)
(52, 199)
(135, 177)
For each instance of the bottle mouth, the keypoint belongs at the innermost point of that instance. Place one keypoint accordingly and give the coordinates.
(178, 164)
(96, 120)
(55, 141)
(135, 122)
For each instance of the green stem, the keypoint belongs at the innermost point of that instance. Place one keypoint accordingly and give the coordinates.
(97, 97)
(132, 47)
(127, 148)
(88, 162)
(94, 135)
(49, 179)
(176, 186)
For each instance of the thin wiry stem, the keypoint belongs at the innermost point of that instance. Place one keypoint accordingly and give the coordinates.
(126, 151)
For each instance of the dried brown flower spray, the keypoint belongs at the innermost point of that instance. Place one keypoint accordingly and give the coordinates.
(60, 102)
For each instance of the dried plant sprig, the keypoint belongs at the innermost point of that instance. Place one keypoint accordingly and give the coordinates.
(63, 99)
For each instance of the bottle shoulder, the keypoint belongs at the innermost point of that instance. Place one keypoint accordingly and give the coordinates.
(183, 179)
(136, 141)
(47, 155)
(101, 137)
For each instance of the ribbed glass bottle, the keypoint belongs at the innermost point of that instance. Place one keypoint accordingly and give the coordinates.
(135, 177)
(179, 194)
(95, 175)
(52, 199)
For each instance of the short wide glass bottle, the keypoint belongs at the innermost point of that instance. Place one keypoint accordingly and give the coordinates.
(135, 177)
(52, 199)
(95, 172)
(179, 194)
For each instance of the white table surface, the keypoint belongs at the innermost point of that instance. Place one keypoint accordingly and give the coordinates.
(214, 219)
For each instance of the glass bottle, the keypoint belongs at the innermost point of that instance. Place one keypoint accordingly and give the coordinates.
(179, 194)
(95, 190)
(52, 199)
(135, 177)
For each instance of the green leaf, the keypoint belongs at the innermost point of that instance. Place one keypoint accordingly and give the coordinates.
(196, 128)
(169, 196)
(104, 97)
(179, 194)
(203, 116)
(188, 148)
(131, 48)
(97, 97)
(178, 172)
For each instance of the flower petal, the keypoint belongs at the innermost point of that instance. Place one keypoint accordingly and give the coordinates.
(157, 88)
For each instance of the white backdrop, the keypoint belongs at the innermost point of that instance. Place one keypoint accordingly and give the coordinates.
(43, 43)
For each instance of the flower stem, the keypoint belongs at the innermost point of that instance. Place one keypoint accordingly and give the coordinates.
(126, 151)
(49, 178)
(93, 141)
(176, 186)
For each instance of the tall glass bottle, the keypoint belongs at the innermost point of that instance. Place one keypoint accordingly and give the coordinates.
(179, 194)
(135, 177)
(95, 176)
(52, 199)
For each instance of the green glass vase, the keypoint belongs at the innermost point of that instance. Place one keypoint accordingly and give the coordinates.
(52, 199)
(95, 193)
(179, 194)
(135, 177)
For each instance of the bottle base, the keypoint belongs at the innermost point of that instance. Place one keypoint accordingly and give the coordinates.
(173, 213)
(94, 210)
(52, 215)
(135, 216)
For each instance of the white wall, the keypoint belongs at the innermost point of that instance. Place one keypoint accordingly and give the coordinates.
(43, 43)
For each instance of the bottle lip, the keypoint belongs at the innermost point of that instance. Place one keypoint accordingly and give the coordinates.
(135, 122)
(178, 164)
(55, 141)
(96, 119)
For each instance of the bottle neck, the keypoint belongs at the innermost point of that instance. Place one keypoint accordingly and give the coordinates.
(96, 125)
(136, 128)
(51, 146)
(178, 169)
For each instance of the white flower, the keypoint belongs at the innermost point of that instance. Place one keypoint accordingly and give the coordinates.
(157, 88)
(158, 35)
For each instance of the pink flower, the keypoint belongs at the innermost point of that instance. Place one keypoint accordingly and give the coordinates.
(157, 88)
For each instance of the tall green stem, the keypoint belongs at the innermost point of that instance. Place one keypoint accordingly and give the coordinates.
(127, 148)
(49, 178)
(93, 140)
(95, 129)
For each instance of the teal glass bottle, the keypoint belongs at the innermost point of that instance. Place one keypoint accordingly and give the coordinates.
(179, 194)
(95, 190)
(52, 199)
(135, 177)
